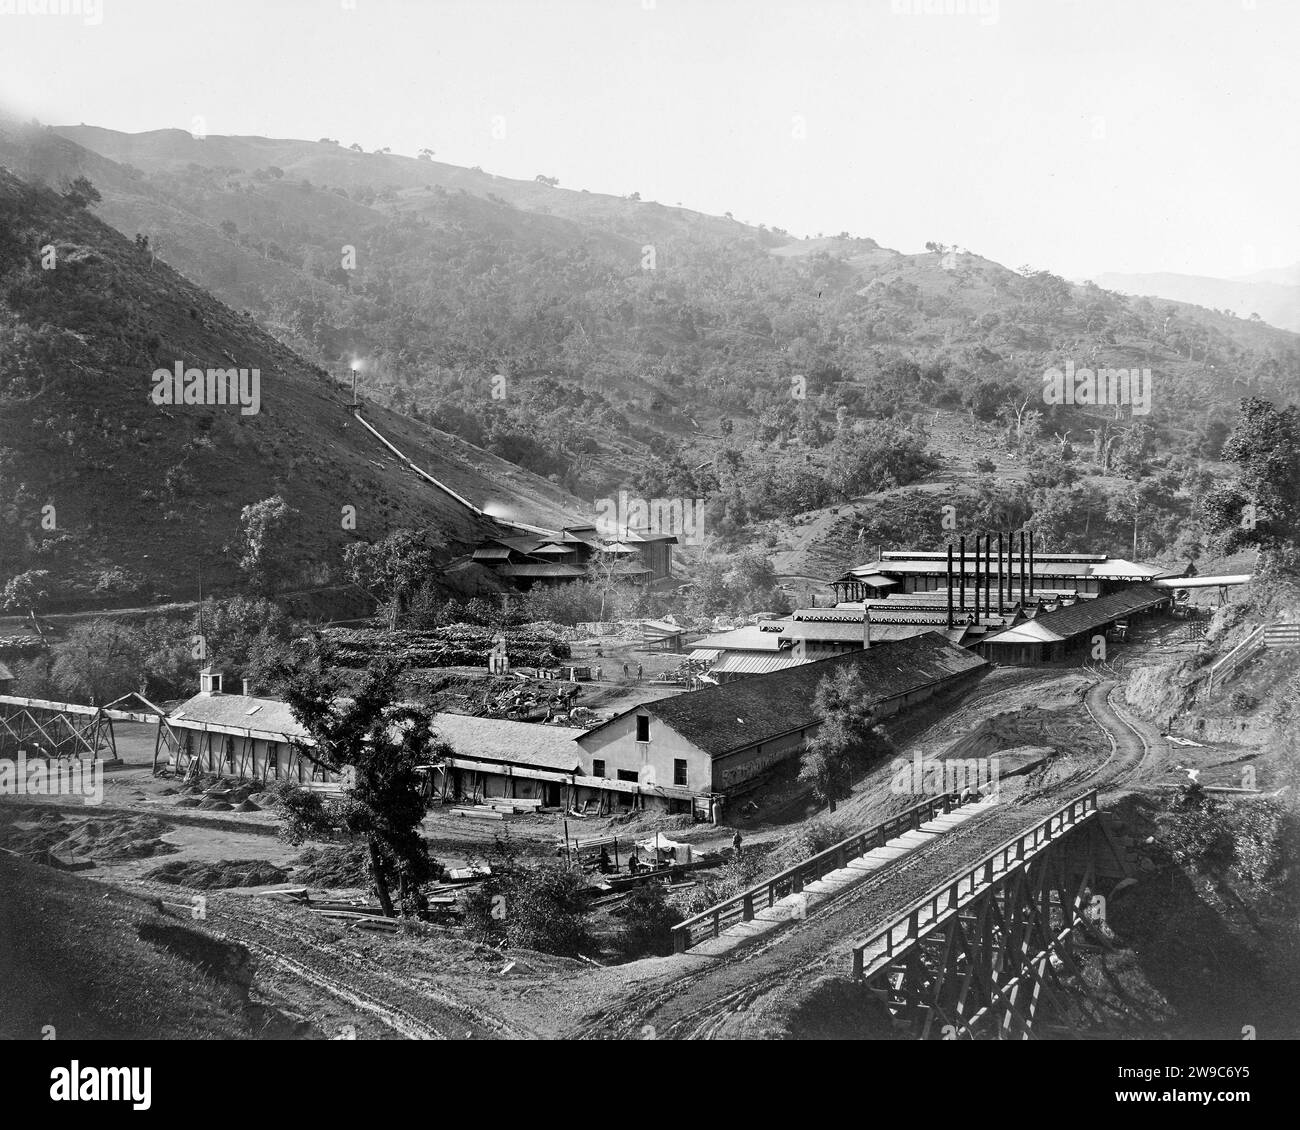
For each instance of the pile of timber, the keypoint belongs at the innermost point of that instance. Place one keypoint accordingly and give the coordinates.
(497, 808)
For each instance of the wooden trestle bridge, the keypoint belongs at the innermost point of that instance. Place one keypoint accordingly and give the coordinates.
(985, 955)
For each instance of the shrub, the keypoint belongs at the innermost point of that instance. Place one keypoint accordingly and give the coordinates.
(648, 922)
(1195, 829)
(528, 906)
(1264, 833)
(813, 837)
(1242, 702)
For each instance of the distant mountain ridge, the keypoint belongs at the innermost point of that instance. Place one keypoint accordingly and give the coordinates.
(1265, 293)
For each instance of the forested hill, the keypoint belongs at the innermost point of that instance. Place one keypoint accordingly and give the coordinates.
(114, 493)
(611, 342)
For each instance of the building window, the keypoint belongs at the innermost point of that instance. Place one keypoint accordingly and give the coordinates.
(627, 775)
(642, 727)
(679, 771)
(597, 768)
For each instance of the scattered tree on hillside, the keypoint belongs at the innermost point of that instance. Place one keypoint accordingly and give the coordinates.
(80, 193)
(27, 592)
(391, 570)
(264, 541)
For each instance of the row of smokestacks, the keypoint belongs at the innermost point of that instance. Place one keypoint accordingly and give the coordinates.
(984, 574)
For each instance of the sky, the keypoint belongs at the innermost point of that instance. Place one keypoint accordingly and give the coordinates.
(1080, 136)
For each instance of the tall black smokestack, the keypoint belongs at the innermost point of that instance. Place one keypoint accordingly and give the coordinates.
(977, 578)
(1031, 562)
(988, 575)
(950, 584)
(962, 567)
(1022, 568)
(1002, 572)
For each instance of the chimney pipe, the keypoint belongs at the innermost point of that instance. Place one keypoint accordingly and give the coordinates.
(1002, 572)
(977, 578)
(988, 575)
(1022, 568)
(962, 579)
(1031, 562)
(950, 584)
(248, 688)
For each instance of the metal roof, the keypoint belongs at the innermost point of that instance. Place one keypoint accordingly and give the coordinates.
(1056, 565)
(267, 718)
(1053, 627)
(519, 743)
(942, 554)
(739, 714)
(749, 663)
(743, 639)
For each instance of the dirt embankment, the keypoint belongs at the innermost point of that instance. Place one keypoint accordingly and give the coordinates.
(86, 960)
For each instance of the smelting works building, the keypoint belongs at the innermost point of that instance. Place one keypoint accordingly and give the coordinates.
(721, 740)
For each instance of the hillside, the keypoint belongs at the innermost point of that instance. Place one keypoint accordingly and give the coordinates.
(607, 343)
(632, 334)
(79, 429)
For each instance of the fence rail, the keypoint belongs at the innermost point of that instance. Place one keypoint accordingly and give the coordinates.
(741, 908)
(919, 918)
(1267, 635)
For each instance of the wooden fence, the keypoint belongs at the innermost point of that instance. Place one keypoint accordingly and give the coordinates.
(1267, 635)
(741, 908)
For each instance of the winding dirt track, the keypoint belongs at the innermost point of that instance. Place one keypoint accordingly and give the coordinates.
(741, 995)
(414, 1009)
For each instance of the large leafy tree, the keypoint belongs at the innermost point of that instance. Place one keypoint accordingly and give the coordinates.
(848, 739)
(375, 742)
(26, 592)
(265, 541)
(244, 637)
(99, 661)
(1262, 506)
(392, 569)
